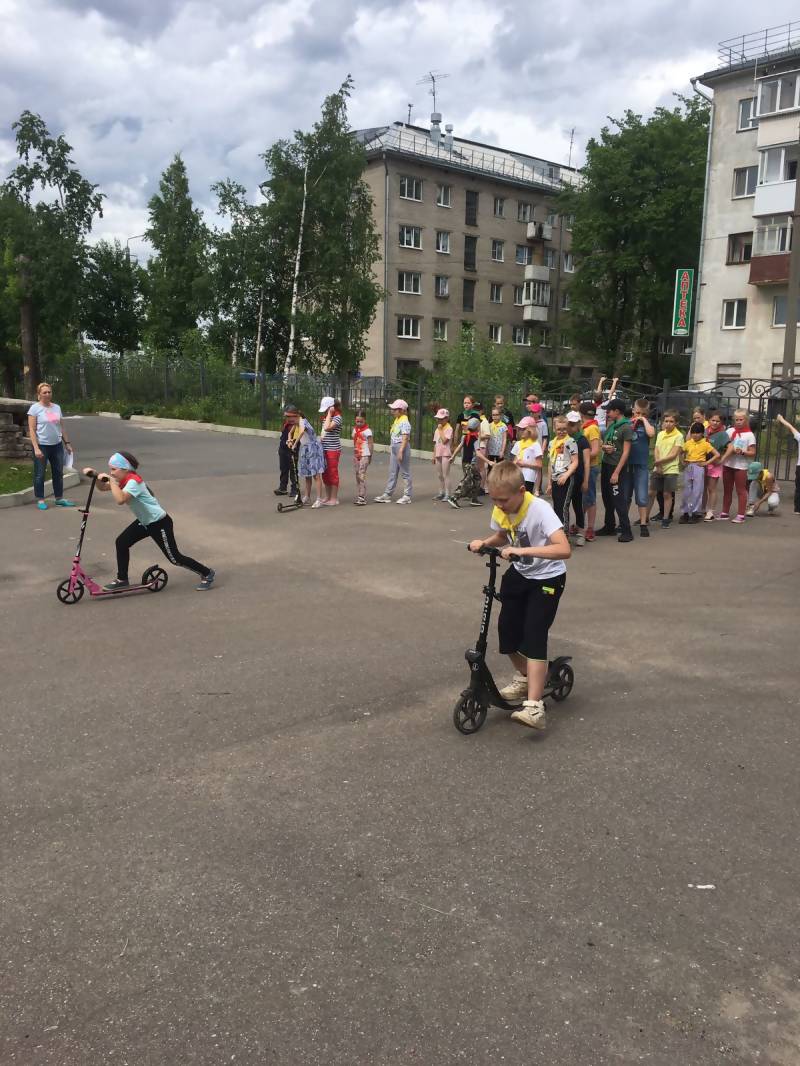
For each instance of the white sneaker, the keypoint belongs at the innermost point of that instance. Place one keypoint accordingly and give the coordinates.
(580, 540)
(531, 714)
(515, 691)
(404, 499)
(750, 512)
(317, 503)
(383, 498)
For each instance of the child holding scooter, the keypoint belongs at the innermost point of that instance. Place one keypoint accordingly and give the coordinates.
(127, 487)
(527, 530)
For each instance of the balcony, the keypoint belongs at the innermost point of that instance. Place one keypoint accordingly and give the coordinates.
(540, 231)
(769, 269)
(776, 198)
(534, 272)
(776, 129)
(534, 313)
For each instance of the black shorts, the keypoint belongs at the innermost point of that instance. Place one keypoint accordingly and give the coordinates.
(527, 610)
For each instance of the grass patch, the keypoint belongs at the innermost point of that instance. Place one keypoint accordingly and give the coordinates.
(15, 474)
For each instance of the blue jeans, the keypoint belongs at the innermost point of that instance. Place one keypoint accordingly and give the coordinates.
(53, 454)
(640, 483)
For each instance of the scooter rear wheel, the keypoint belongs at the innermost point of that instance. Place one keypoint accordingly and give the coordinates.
(155, 577)
(468, 714)
(562, 682)
(66, 596)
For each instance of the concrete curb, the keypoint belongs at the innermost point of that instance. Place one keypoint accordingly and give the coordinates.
(241, 431)
(16, 499)
(108, 414)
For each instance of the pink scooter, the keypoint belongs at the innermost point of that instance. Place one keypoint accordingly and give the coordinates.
(71, 591)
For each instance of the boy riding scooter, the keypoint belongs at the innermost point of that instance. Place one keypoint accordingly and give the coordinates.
(527, 530)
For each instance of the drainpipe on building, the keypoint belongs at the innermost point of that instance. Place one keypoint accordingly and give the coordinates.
(792, 293)
(698, 292)
(385, 269)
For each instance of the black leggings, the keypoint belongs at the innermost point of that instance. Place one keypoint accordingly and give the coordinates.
(562, 497)
(164, 536)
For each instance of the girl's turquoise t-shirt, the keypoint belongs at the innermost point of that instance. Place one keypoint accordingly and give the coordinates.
(143, 503)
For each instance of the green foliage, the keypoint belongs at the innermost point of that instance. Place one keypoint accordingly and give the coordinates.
(112, 297)
(638, 213)
(15, 475)
(475, 362)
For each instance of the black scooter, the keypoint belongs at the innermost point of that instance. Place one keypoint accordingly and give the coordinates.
(297, 502)
(469, 713)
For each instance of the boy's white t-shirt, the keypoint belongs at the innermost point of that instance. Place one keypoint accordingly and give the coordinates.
(741, 440)
(533, 451)
(534, 531)
(601, 416)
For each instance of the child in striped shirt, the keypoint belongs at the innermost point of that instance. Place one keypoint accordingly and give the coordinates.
(331, 437)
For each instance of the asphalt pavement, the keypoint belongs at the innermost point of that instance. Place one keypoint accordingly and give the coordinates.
(239, 826)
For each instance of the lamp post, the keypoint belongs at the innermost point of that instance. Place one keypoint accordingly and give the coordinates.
(135, 237)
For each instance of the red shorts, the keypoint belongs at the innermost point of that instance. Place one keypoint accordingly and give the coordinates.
(330, 475)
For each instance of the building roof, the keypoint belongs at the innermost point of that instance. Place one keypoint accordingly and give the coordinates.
(764, 50)
(499, 163)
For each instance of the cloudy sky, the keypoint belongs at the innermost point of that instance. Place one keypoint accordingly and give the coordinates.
(131, 82)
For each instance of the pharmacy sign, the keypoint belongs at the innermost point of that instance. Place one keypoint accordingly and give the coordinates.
(682, 308)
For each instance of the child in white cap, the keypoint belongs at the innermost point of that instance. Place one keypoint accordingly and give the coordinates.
(443, 451)
(400, 458)
(331, 438)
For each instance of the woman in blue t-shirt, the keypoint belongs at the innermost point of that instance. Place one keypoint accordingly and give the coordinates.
(46, 432)
(152, 520)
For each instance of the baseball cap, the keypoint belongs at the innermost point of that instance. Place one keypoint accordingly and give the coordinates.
(753, 470)
(536, 408)
(325, 403)
(473, 424)
(526, 423)
(442, 413)
(398, 405)
(573, 416)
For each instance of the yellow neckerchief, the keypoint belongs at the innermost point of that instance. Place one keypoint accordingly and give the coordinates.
(510, 522)
(396, 423)
(440, 439)
(557, 446)
(524, 445)
(495, 428)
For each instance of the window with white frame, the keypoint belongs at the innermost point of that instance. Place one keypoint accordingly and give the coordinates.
(778, 375)
(498, 255)
(740, 248)
(524, 254)
(779, 310)
(519, 295)
(734, 314)
(443, 241)
(569, 221)
(569, 263)
(729, 371)
(495, 332)
(521, 335)
(495, 292)
(552, 218)
(408, 327)
(409, 281)
(410, 188)
(524, 212)
(773, 235)
(748, 119)
(778, 164)
(444, 195)
(440, 329)
(544, 337)
(778, 94)
(499, 207)
(410, 237)
(665, 346)
(441, 286)
(537, 293)
(745, 180)
(564, 340)
(550, 258)
(566, 301)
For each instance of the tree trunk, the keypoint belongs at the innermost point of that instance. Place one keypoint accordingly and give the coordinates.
(258, 333)
(287, 363)
(235, 349)
(30, 358)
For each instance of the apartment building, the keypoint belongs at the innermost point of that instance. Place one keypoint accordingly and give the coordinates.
(749, 203)
(470, 240)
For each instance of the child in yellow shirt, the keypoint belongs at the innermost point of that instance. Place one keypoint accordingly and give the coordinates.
(697, 453)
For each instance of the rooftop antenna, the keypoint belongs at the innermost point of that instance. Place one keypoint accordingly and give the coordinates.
(571, 142)
(430, 79)
(408, 122)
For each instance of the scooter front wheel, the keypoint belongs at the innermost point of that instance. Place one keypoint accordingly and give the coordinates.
(155, 578)
(67, 595)
(561, 683)
(468, 714)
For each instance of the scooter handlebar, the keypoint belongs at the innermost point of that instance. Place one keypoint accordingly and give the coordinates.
(493, 553)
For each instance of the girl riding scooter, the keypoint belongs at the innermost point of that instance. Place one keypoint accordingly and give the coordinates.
(152, 520)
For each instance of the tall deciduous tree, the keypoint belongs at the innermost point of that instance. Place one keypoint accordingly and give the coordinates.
(177, 275)
(638, 213)
(112, 297)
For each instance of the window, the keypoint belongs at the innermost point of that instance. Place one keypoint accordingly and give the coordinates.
(497, 251)
(523, 256)
(410, 188)
(408, 327)
(471, 210)
(778, 164)
(410, 237)
(495, 293)
(523, 211)
(740, 248)
(520, 335)
(569, 263)
(564, 340)
(470, 253)
(441, 286)
(665, 346)
(499, 207)
(777, 94)
(468, 297)
(440, 329)
(495, 333)
(729, 371)
(550, 258)
(779, 310)
(544, 341)
(552, 218)
(747, 114)
(537, 293)
(519, 295)
(734, 314)
(444, 194)
(774, 235)
(409, 281)
(745, 180)
(569, 221)
(443, 241)
(566, 301)
(777, 371)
